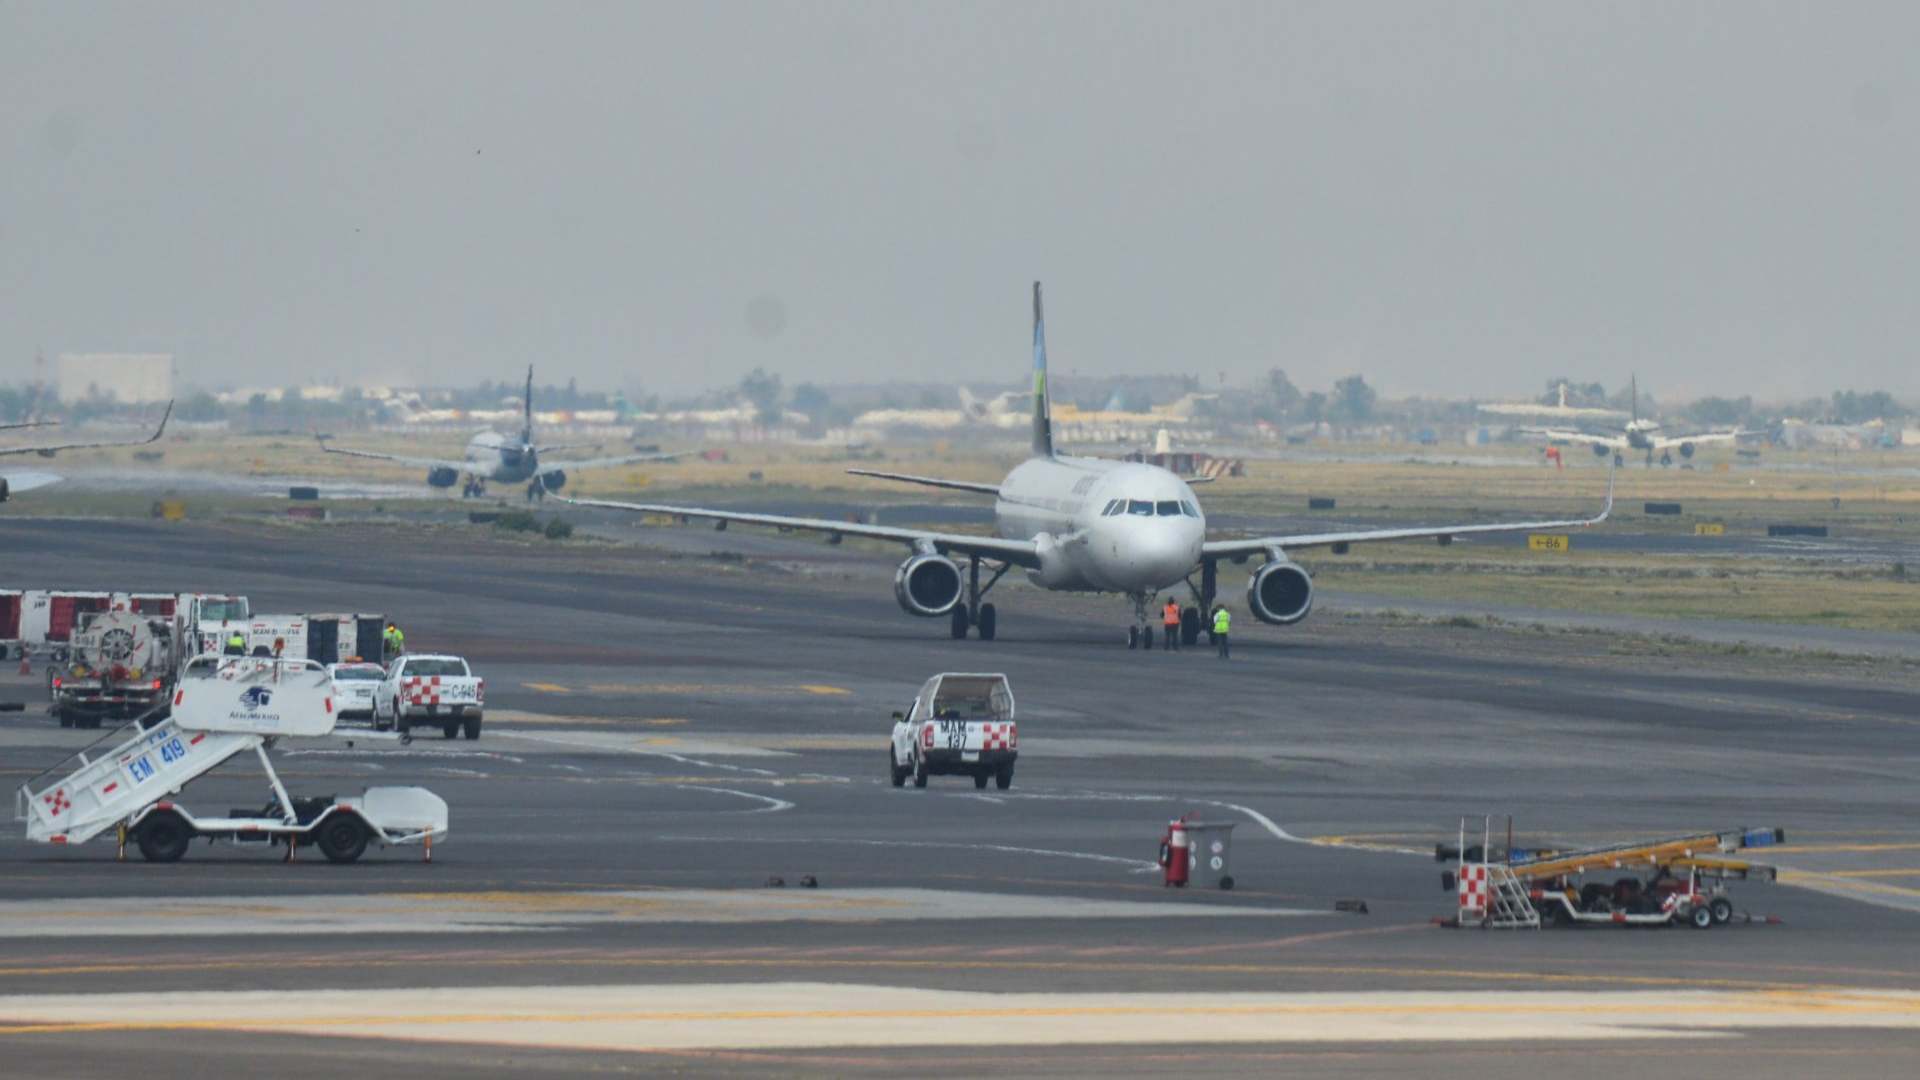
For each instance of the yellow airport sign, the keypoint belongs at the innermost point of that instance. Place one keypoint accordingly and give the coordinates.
(1549, 542)
(1709, 528)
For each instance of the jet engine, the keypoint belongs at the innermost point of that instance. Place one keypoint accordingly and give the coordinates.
(554, 480)
(1601, 450)
(1686, 450)
(441, 477)
(1280, 593)
(927, 585)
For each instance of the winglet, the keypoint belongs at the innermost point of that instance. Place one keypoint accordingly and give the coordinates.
(164, 417)
(1042, 411)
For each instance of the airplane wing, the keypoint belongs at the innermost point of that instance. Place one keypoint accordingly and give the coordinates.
(1018, 552)
(608, 462)
(400, 459)
(929, 481)
(1258, 545)
(1666, 442)
(49, 451)
(1615, 442)
(28, 424)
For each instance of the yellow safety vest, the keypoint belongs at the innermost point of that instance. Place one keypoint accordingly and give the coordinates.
(1221, 620)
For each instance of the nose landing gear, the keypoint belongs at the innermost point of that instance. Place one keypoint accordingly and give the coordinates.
(1140, 635)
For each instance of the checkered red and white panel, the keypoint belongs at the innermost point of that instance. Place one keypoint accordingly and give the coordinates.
(421, 689)
(1002, 736)
(1473, 889)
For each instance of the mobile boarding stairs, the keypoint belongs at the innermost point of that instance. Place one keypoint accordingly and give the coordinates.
(221, 708)
(1685, 883)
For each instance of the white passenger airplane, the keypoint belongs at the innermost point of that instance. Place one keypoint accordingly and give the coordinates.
(503, 459)
(1090, 525)
(1639, 434)
(29, 481)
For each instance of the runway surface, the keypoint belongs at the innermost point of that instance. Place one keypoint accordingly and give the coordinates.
(668, 731)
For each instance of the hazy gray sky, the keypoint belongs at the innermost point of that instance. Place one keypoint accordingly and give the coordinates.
(1446, 197)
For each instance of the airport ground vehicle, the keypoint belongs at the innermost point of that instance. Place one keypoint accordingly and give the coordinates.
(223, 707)
(355, 686)
(958, 723)
(1684, 883)
(119, 665)
(426, 690)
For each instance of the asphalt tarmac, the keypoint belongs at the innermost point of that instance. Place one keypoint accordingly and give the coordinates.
(669, 730)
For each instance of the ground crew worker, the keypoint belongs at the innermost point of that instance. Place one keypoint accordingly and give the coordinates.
(236, 643)
(1170, 620)
(394, 641)
(1221, 622)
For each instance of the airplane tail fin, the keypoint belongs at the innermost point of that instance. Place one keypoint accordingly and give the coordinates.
(526, 411)
(1633, 396)
(1042, 411)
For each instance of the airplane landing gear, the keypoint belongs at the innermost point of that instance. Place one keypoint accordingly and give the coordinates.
(472, 489)
(1199, 618)
(1666, 459)
(979, 616)
(536, 491)
(1140, 635)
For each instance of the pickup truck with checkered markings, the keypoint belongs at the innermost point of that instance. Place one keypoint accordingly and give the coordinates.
(423, 690)
(958, 723)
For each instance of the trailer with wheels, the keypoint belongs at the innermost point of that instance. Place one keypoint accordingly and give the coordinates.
(1684, 883)
(222, 708)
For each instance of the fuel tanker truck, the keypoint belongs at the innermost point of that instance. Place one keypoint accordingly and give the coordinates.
(120, 664)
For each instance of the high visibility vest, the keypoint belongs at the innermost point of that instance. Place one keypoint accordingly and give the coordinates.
(1171, 615)
(237, 642)
(1221, 620)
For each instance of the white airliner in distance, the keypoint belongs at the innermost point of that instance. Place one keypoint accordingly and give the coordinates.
(29, 481)
(502, 459)
(1090, 525)
(1639, 434)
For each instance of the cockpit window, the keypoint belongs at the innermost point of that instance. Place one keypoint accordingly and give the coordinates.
(1189, 509)
(1140, 508)
(1114, 506)
(1168, 508)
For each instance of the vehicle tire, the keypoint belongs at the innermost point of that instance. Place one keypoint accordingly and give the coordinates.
(919, 771)
(163, 837)
(1190, 626)
(448, 731)
(1226, 881)
(1133, 637)
(987, 619)
(979, 781)
(898, 774)
(959, 623)
(470, 727)
(1146, 638)
(1722, 909)
(1701, 917)
(1004, 778)
(65, 717)
(342, 838)
(91, 723)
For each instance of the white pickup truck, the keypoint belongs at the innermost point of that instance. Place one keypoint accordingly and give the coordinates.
(424, 690)
(958, 723)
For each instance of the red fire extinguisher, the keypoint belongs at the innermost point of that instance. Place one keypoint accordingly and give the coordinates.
(1173, 853)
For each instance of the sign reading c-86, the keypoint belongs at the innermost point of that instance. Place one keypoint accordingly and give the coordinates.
(1549, 542)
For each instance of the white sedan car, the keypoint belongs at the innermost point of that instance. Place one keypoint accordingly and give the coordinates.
(354, 684)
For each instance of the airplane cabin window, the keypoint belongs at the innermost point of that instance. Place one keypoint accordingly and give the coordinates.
(1168, 508)
(1140, 508)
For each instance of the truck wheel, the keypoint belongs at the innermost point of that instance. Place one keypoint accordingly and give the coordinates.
(988, 617)
(919, 771)
(1701, 917)
(979, 781)
(342, 838)
(164, 837)
(449, 730)
(959, 627)
(1722, 909)
(471, 727)
(894, 770)
(1004, 778)
(65, 717)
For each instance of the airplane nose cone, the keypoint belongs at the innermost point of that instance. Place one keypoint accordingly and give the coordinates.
(1164, 553)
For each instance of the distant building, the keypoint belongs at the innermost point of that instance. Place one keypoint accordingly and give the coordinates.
(129, 378)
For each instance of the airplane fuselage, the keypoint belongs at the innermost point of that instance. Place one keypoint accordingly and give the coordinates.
(502, 459)
(1104, 526)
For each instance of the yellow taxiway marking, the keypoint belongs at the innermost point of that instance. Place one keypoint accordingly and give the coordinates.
(825, 691)
(1806, 849)
(1899, 872)
(547, 687)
